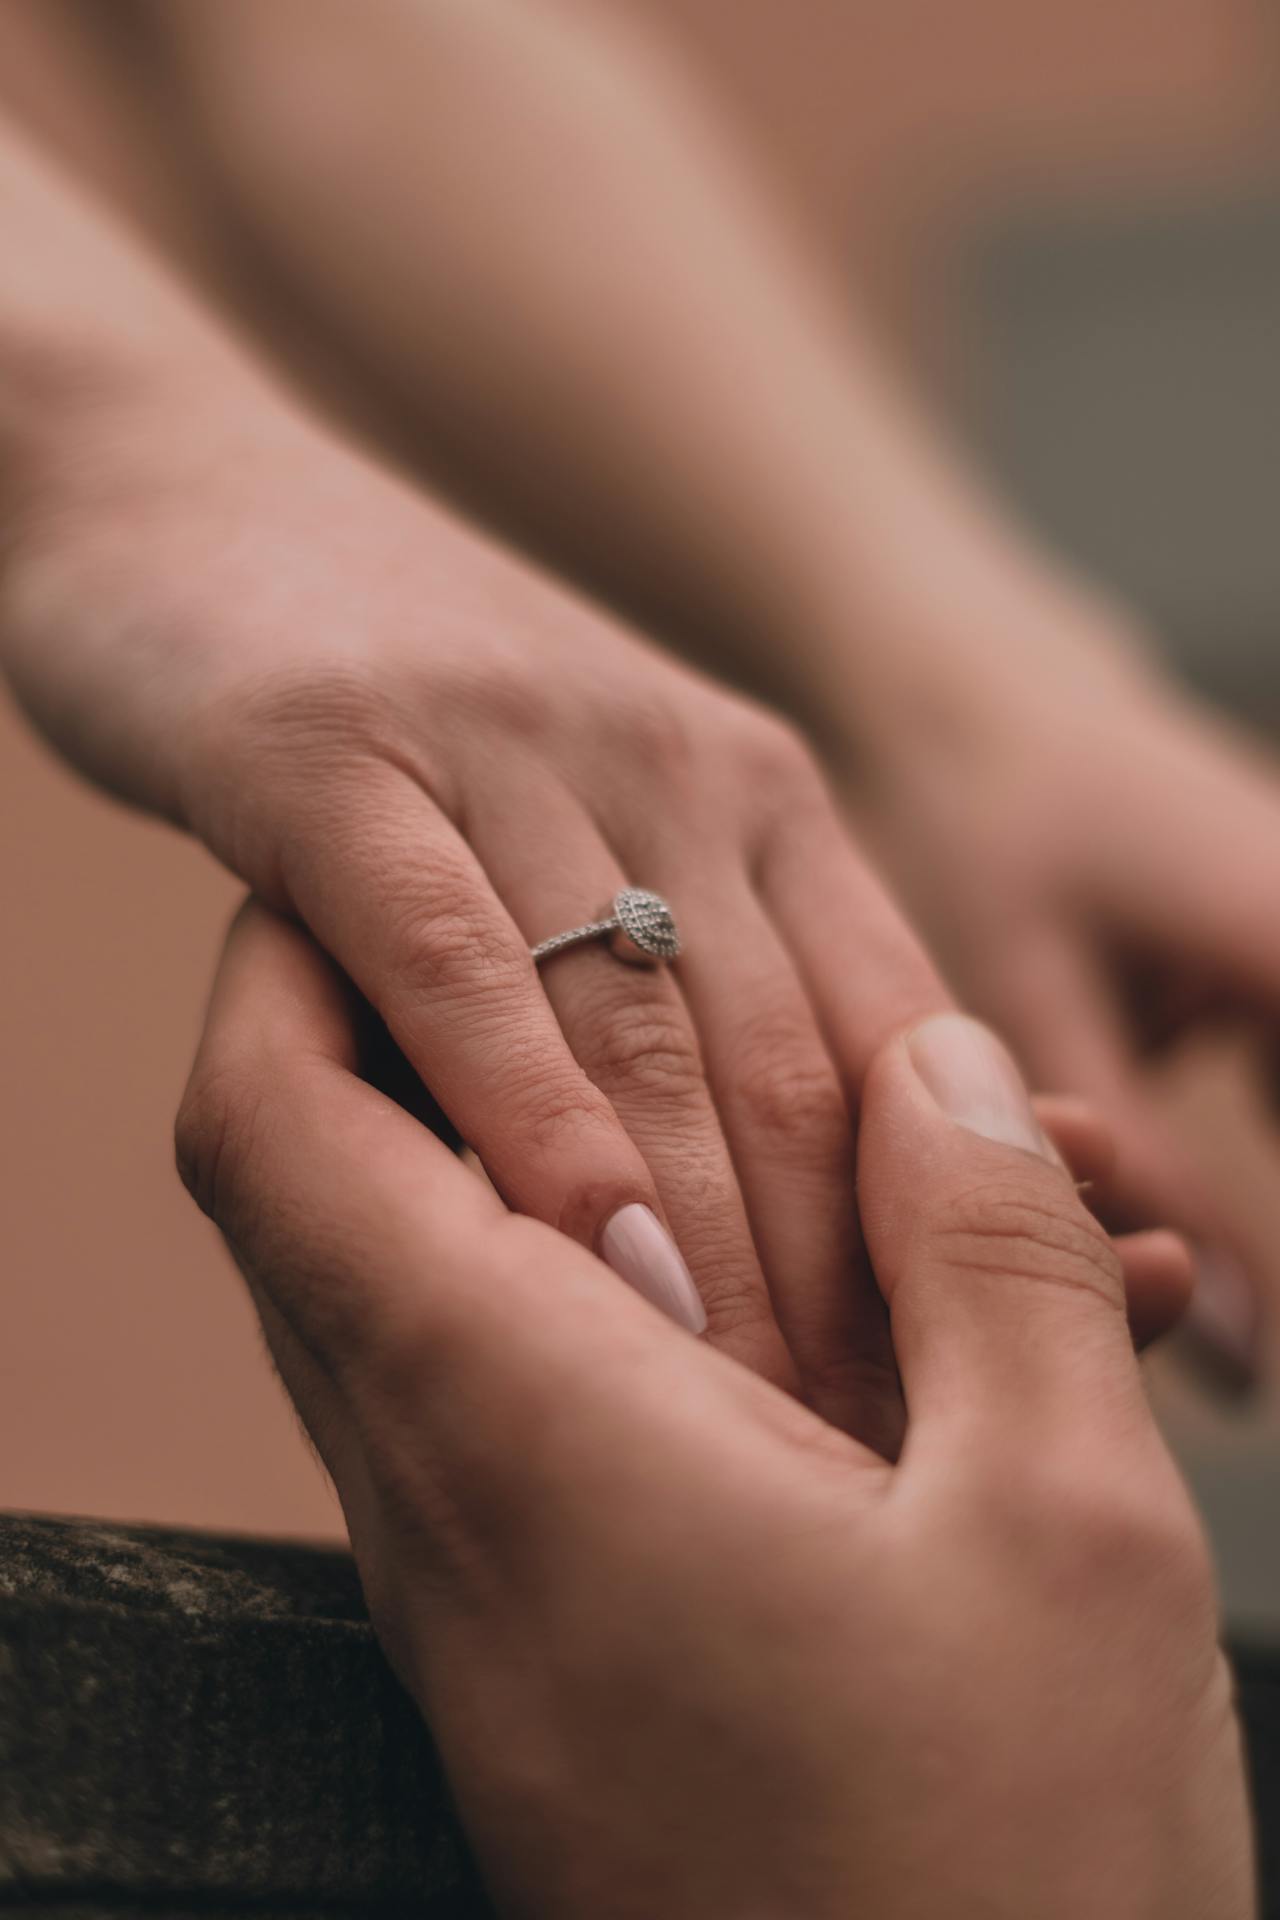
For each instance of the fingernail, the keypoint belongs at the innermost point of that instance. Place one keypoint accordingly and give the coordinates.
(974, 1079)
(641, 1251)
(1222, 1319)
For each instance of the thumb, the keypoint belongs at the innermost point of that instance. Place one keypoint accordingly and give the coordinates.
(1005, 1296)
(1061, 1013)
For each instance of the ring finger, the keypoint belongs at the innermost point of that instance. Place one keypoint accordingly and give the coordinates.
(630, 1030)
(789, 1130)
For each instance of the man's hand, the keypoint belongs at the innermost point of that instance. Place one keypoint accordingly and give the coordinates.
(1091, 854)
(686, 1648)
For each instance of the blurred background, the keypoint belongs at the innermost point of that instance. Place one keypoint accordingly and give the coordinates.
(1066, 215)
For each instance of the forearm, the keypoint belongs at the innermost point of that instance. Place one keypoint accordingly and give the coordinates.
(87, 323)
(114, 386)
(576, 296)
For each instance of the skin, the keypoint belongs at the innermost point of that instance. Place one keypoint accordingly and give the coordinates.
(783, 539)
(347, 695)
(586, 392)
(1120, 904)
(434, 757)
(679, 1641)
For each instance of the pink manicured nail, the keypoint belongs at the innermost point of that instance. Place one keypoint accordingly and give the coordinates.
(975, 1081)
(641, 1251)
(1223, 1320)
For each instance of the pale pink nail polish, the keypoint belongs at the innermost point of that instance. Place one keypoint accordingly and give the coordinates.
(641, 1251)
(975, 1080)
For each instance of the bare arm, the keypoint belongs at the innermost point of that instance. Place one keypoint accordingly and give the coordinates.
(436, 759)
(579, 305)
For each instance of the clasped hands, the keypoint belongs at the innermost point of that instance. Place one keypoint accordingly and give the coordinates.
(883, 1596)
(686, 1646)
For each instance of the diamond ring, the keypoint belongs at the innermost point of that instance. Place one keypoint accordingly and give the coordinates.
(644, 917)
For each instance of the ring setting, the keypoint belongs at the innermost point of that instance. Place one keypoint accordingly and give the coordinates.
(641, 916)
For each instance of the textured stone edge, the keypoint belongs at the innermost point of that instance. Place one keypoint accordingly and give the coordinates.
(195, 1719)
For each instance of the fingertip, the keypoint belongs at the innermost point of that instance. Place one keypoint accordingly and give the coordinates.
(642, 1252)
(1159, 1279)
(1081, 1135)
(975, 1081)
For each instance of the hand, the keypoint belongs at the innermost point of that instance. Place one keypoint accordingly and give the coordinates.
(1089, 851)
(686, 1649)
(434, 758)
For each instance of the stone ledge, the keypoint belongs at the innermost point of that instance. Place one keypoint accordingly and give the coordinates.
(192, 1724)
(203, 1728)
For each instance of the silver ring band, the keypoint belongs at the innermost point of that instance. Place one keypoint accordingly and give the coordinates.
(644, 917)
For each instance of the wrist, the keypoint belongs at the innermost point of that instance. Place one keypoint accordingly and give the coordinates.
(88, 428)
(90, 328)
(907, 607)
(118, 483)
(948, 660)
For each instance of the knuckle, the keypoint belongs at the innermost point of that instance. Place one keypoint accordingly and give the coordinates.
(293, 745)
(777, 760)
(1016, 1231)
(450, 945)
(562, 1111)
(656, 736)
(648, 1049)
(217, 1126)
(492, 692)
(789, 1093)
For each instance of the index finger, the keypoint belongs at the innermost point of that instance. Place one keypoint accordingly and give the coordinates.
(453, 1333)
(395, 893)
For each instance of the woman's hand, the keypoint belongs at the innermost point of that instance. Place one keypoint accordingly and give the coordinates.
(685, 1648)
(434, 758)
(1094, 858)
